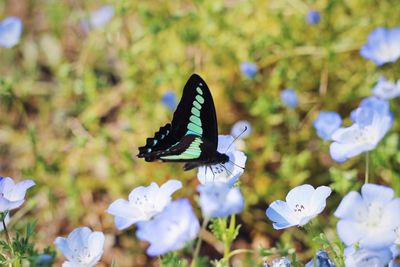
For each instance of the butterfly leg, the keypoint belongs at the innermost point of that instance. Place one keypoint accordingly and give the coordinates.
(227, 171)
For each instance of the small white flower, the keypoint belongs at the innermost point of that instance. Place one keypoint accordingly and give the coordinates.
(220, 200)
(171, 229)
(228, 172)
(386, 89)
(82, 247)
(369, 219)
(302, 204)
(365, 257)
(143, 203)
(12, 195)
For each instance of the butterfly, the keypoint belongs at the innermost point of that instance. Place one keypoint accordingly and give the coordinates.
(192, 136)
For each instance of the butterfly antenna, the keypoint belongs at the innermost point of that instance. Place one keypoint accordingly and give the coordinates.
(236, 164)
(244, 130)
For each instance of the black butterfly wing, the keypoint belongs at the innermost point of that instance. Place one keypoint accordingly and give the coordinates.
(195, 113)
(194, 116)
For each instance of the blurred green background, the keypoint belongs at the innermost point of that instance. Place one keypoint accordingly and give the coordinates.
(75, 105)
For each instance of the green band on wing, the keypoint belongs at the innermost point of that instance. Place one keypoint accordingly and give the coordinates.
(198, 89)
(194, 128)
(200, 99)
(195, 112)
(197, 105)
(195, 120)
(181, 156)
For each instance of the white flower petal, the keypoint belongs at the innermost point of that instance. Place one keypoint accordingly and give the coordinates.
(300, 195)
(376, 193)
(350, 205)
(281, 215)
(349, 231)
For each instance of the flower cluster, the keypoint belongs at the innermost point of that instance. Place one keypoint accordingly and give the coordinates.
(369, 221)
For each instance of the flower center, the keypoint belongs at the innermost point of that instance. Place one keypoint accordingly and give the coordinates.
(299, 208)
(375, 213)
(365, 135)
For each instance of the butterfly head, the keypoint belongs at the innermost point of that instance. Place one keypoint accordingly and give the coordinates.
(222, 158)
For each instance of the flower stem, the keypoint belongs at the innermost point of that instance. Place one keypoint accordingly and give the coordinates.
(229, 238)
(198, 245)
(3, 220)
(366, 167)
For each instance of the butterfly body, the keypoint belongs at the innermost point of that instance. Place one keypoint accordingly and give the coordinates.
(192, 136)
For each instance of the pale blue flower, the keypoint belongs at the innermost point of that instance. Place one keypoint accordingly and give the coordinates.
(289, 98)
(382, 46)
(169, 100)
(12, 195)
(279, 262)
(248, 69)
(143, 203)
(82, 247)
(365, 257)
(386, 89)
(227, 172)
(380, 106)
(368, 130)
(43, 260)
(322, 260)
(218, 200)
(241, 129)
(102, 16)
(10, 31)
(303, 203)
(327, 123)
(369, 219)
(313, 17)
(171, 229)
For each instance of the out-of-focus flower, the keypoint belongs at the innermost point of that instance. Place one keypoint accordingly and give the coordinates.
(102, 16)
(44, 260)
(98, 18)
(303, 203)
(10, 31)
(171, 229)
(227, 172)
(386, 89)
(380, 106)
(82, 247)
(326, 124)
(382, 46)
(322, 260)
(169, 100)
(248, 69)
(289, 98)
(241, 129)
(313, 17)
(279, 262)
(220, 200)
(369, 219)
(368, 130)
(142, 204)
(12, 195)
(364, 257)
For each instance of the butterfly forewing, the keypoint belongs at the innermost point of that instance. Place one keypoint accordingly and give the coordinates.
(194, 124)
